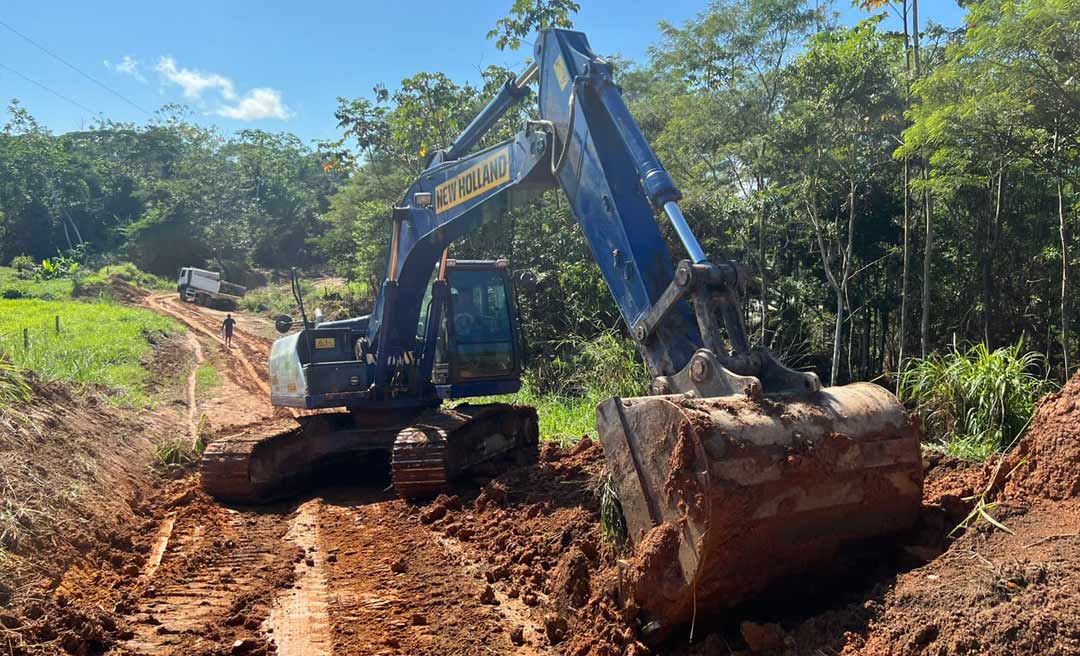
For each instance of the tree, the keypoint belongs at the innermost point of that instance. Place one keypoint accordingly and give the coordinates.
(528, 16)
(1005, 98)
(844, 108)
(731, 59)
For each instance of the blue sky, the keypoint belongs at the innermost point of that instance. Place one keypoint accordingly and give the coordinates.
(280, 65)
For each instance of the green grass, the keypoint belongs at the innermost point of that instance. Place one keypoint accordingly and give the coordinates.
(974, 403)
(100, 343)
(206, 378)
(177, 453)
(13, 388)
(566, 387)
(129, 273)
(13, 286)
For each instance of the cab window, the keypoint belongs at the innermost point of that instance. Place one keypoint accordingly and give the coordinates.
(483, 344)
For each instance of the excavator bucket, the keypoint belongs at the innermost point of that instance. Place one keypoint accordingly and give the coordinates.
(723, 497)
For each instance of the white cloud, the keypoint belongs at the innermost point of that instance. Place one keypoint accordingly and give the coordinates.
(128, 66)
(194, 83)
(257, 104)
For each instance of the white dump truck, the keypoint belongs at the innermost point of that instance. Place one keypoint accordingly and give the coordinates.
(207, 288)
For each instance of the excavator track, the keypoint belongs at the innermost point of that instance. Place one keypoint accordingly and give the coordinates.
(444, 444)
(427, 453)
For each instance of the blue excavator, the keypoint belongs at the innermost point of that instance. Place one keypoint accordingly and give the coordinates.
(732, 474)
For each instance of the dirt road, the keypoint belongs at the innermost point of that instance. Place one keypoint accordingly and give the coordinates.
(349, 570)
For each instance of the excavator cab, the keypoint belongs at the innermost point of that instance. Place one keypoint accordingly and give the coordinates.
(479, 348)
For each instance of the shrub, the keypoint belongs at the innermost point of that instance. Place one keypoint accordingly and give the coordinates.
(58, 267)
(974, 403)
(23, 264)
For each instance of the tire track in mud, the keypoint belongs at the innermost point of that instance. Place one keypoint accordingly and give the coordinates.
(299, 622)
(351, 571)
(398, 589)
(217, 571)
(192, 388)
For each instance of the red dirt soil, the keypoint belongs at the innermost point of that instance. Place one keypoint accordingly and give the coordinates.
(1046, 463)
(517, 565)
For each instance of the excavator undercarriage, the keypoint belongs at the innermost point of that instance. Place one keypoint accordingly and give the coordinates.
(426, 451)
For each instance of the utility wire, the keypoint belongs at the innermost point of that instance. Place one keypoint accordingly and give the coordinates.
(74, 68)
(52, 91)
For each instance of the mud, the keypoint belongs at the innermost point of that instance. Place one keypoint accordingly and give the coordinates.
(515, 565)
(1046, 462)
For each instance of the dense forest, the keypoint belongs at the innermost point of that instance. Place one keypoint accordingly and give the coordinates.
(895, 191)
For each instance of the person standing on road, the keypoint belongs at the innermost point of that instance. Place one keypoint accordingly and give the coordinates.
(227, 329)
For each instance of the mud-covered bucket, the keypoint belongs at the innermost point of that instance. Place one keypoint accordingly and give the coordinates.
(725, 496)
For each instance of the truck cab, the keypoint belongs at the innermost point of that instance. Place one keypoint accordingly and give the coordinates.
(204, 287)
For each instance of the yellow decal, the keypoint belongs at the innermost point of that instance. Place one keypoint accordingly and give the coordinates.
(485, 175)
(561, 74)
(291, 387)
(325, 343)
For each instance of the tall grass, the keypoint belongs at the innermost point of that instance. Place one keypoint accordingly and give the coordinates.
(99, 343)
(974, 402)
(13, 388)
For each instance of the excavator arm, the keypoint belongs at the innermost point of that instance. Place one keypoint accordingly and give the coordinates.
(588, 144)
(736, 471)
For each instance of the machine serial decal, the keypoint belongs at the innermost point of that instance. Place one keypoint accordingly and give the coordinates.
(487, 174)
(325, 343)
(561, 74)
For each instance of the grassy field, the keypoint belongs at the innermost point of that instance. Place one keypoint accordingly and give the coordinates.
(13, 286)
(99, 343)
(91, 284)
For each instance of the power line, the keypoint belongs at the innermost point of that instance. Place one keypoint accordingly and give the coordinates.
(52, 91)
(74, 68)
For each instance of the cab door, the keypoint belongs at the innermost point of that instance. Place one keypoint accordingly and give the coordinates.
(479, 337)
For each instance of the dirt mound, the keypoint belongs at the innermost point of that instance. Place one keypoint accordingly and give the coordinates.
(1046, 462)
(72, 467)
(115, 288)
(537, 530)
